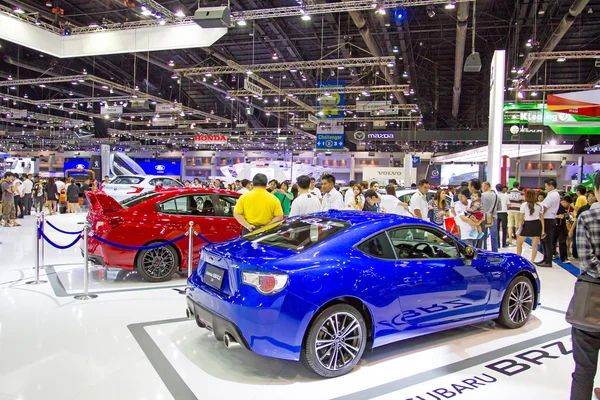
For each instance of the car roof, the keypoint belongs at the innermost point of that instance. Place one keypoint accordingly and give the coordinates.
(186, 190)
(364, 217)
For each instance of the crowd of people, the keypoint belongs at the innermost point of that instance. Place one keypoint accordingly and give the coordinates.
(25, 193)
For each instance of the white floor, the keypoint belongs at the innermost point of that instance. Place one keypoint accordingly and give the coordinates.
(133, 342)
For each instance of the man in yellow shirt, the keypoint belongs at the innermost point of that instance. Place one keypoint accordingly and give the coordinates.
(581, 198)
(257, 207)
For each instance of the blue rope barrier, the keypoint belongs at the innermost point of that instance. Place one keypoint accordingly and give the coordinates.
(42, 234)
(151, 247)
(61, 231)
(203, 238)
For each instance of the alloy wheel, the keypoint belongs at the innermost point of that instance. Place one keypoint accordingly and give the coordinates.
(520, 302)
(158, 263)
(338, 341)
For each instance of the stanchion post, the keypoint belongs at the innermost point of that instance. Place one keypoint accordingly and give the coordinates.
(37, 237)
(86, 272)
(42, 247)
(190, 249)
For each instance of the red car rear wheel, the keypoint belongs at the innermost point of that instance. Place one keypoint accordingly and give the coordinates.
(157, 265)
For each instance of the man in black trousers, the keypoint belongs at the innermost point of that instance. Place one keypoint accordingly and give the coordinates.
(550, 207)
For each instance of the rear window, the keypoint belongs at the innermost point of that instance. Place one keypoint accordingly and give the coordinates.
(126, 180)
(137, 199)
(298, 234)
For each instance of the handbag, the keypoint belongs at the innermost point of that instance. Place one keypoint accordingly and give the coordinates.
(489, 218)
(584, 309)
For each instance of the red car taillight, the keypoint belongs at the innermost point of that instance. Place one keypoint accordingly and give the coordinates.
(136, 190)
(108, 223)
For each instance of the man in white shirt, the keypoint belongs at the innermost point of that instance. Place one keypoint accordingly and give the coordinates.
(313, 189)
(246, 186)
(418, 201)
(60, 185)
(550, 208)
(305, 203)
(390, 203)
(332, 199)
(462, 221)
(349, 195)
(27, 189)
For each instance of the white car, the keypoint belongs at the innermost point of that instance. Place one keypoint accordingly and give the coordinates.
(124, 187)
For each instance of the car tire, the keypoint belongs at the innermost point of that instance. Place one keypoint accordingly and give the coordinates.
(337, 354)
(157, 265)
(517, 303)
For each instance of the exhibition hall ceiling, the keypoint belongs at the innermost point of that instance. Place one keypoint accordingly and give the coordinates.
(403, 59)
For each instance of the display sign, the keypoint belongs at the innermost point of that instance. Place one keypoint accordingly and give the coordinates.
(331, 127)
(331, 103)
(76, 163)
(313, 119)
(584, 103)
(210, 139)
(105, 110)
(377, 107)
(167, 167)
(455, 174)
(165, 108)
(387, 173)
(163, 122)
(330, 141)
(562, 123)
(17, 114)
(416, 160)
(252, 87)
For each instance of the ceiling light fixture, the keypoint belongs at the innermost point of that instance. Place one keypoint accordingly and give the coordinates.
(561, 59)
(19, 10)
(381, 11)
(180, 14)
(275, 56)
(241, 22)
(400, 15)
(161, 21)
(171, 63)
(305, 17)
(430, 11)
(450, 5)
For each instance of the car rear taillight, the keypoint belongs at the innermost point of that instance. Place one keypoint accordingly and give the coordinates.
(114, 222)
(265, 283)
(136, 190)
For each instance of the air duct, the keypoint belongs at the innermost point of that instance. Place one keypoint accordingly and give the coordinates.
(576, 8)
(461, 37)
(363, 28)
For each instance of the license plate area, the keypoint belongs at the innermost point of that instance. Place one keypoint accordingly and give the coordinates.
(214, 276)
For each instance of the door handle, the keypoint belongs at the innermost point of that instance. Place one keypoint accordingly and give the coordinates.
(413, 280)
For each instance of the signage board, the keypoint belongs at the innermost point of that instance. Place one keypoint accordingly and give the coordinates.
(17, 114)
(561, 123)
(252, 87)
(163, 122)
(331, 127)
(387, 173)
(167, 167)
(326, 141)
(377, 107)
(210, 139)
(105, 110)
(331, 103)
(166, 107)
(76, 163)
(416, 160)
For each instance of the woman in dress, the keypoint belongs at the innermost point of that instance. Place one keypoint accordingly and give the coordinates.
(52, 195)
(532, 224)
(440, 208)
(358, 201)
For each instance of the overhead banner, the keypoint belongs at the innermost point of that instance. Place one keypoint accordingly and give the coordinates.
(378, 107)
(165, 108)
(385, 174)
(328, 142)
(17, 114)
(163, 122)
(332, 127)
(105, 110)
(331, 103)
(586, 103)
(167, 167)
(252, 87)
(528, 118)
(210, 139)
(385, 136)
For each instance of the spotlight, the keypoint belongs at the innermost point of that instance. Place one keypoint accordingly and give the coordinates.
(561, 59)
(171, 63)
(450, 5)
(37, 21)
(180, 14)
(161, 21)
(104, 24)
(67, 31)
(430, 11)
(241, 22)
(534, 94)
(305, 17)
(400, 15)
(19, 11)
(381, 11)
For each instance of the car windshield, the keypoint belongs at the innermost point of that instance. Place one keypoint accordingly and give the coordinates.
(297, 234)
(135, 200)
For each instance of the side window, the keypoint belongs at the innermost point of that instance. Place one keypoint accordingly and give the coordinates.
(178, 205)
(155, 182)
(378, 247)
(227, 205)
(202, 205)
(418, 243)
(171, 183)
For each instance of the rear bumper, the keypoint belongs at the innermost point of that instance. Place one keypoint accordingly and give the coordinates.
(108, 256)
(215, 323)
(271, 326)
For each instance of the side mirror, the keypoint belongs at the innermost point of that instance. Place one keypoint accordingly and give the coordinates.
(470, 252)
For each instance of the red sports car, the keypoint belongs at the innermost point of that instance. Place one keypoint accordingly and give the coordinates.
(154, 217)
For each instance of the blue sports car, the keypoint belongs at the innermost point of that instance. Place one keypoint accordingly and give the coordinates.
(321, 288)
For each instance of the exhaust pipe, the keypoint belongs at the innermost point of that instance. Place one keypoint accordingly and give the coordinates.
(230, 342)
(188, 313)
